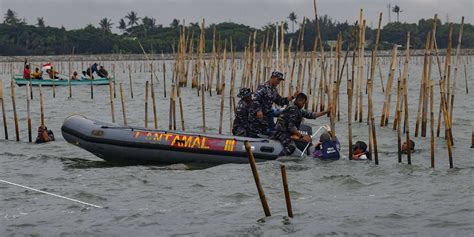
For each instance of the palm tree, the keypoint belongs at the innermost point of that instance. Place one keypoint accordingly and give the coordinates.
(105, 25)
(397, 10)
(148, 22)
(174, 24)
(132, 18)
(122, 25)
(292, 17)
(11, 18)
(40, 22)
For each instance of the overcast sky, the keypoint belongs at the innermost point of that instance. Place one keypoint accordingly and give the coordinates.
(74, 14)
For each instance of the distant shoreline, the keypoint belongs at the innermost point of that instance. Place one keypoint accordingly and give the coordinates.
(141, 57)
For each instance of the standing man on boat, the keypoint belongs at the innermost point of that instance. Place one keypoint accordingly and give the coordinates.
(261, 113)
(241, 120)
(289, 121)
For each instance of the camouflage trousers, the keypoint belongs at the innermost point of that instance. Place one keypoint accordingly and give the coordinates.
(285, 140)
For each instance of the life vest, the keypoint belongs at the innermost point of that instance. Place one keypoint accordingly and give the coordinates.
(329, 150)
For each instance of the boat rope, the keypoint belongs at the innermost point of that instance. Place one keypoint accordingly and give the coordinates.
(48, 193)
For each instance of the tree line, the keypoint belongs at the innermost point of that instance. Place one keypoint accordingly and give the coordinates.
(17, 37)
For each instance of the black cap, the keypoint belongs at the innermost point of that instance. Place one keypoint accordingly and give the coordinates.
(278, 75)
(360, 144)
(244, 92)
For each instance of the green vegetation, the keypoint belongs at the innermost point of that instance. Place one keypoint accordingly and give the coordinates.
(19, 38)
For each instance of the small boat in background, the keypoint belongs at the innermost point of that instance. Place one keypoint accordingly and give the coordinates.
(115, 143)
(20, 81)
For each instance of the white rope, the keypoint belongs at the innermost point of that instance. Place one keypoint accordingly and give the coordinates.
(52, 194)
(314, 134)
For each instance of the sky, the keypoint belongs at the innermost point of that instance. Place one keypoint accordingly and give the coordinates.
(75, 14)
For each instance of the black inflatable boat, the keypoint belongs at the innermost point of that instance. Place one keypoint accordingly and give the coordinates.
(115, 143)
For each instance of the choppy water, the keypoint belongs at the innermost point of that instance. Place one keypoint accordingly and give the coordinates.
(329, 198)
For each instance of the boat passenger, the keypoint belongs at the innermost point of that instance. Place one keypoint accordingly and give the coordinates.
(327, 148)
(289, 121)
(27, 72)
(90, 71)
(261, 113)
(37, 74)
(359, 151)
(84, 76)
(411, 146)
(44, 135)
(241, 123)
(74, 76)
(102, 72)
(53, 74)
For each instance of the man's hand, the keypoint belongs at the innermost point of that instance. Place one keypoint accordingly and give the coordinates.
(291, 97)
(307, 139)
(259, 115)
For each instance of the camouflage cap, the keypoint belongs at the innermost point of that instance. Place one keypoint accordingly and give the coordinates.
(278, 75)
(244, 92)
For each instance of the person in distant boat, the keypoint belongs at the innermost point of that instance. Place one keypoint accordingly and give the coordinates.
(411, 146)
(37, 74)
(327, 148)
(261, 113)
(359, 151)
(289, 121)
(27, 72)
(90, 71)
(102, 72)
(84, 76)
(44, 135)
(74, 76)
(53, 74)
(241, 123)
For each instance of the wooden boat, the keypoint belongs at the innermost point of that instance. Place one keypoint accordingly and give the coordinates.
(115, 143)
(20, 81)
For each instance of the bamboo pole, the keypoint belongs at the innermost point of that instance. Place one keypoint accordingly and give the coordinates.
(41, 106)
(253, 166)
(203, 108)
(123, 105)
(221, 117)
(153, 101)
(453, 89)
(431, 86)
(164, 79)
(181, 113)
(130, 77)
(405, 98)
(287, 192)
(15, 115)
(111, 101)
(388, 91)
(146, 104)
(28, 117)
(4, 116)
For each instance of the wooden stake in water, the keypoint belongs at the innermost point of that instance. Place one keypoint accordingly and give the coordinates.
(203, 109)
(221, 117)
(41, 106)
(15, 116)
(287, 192)
(130, 77)
(28, 117)
(253, 166)
(111, 101)
(2, 103)
(153, 101)
(123, 105)
(146, 104)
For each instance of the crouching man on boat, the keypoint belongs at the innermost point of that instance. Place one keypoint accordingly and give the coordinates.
(261, 114)
(289, 121)
(44, 135)
(241, 120)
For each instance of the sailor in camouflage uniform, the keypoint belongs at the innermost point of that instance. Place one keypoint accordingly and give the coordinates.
(289, 121)
(261, 113)
(241, 123)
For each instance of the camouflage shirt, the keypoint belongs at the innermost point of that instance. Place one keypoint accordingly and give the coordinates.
(242, 115)
(264, 97)
(290, 119)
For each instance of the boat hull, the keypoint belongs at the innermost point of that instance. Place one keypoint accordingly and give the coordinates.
(138, 145)
(49, 82)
